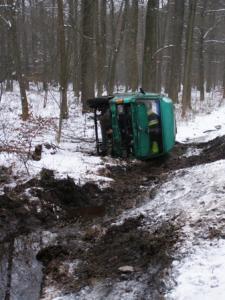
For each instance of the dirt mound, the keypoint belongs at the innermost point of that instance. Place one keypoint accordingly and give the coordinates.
(62, 191)
(209, 152)
(45, 202)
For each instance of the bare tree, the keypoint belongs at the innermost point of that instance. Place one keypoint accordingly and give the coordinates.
(63, 61)
(118, 25)
(201, 82)
(176, 49)
(131, 47)
(74, 39)
(100, 18)
(186, 96)
(63, 68)
(87, 52)
(12, 6)
(150, 47)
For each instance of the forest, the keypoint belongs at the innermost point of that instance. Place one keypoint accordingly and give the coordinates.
(104, 46)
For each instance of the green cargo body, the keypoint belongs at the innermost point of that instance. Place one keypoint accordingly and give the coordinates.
(139, 136)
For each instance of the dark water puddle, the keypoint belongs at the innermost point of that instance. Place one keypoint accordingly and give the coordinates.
(20, 271)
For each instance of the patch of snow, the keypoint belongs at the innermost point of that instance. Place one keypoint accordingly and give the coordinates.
(192, 152)
(203, 126)
(193, 192)
(121, 290)
(201, 275)
(72, 157)
(65, 163)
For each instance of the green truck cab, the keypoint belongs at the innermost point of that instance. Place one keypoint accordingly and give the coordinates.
(134, 133)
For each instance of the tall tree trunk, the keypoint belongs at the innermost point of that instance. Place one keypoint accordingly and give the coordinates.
(5, 59)
(131, 47)
(116, 42)
(201, 83)
(63, 61)
(74, 23)
(52, 46)
(17, 60)
(100, 45)
(174, 78)
(150, 47)
(169, 38)
(210, 53)
(45, 61)
(87, 52)
(24, 42)
(186, 97)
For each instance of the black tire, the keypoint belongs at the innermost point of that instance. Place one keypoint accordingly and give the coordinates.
(100, 102)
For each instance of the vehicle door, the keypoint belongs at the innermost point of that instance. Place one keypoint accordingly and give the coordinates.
(142, 141)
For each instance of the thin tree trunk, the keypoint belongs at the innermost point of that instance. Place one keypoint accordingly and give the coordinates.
(201, 69)
(131, 47)
(17, 60)
(201, 83)
(150, 47)
(87, 52)
(169, 38)
(74, 40)
(174, 79)
(63, 61)
(100, 45)
(45, 56)
(116, 45)
(24, 47)
(186, 97)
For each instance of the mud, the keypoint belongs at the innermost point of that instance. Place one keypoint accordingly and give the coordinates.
(81, 217)
(125, 245)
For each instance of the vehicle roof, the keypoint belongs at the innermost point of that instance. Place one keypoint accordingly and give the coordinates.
(133, 96)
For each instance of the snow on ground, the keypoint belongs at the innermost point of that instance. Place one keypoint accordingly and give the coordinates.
(196, 195)
(205, 123)
(201, 275)
(193, 192)
(71, 157)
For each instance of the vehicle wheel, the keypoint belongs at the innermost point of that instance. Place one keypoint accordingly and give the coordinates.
(100, 102)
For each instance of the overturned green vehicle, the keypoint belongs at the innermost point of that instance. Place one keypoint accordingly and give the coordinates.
(140, 125)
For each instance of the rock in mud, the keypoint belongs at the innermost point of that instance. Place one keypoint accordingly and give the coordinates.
(126, 269)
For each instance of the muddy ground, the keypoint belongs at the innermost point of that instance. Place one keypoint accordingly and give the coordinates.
(82, 218)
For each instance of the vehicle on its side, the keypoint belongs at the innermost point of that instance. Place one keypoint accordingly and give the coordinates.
(140, 125)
